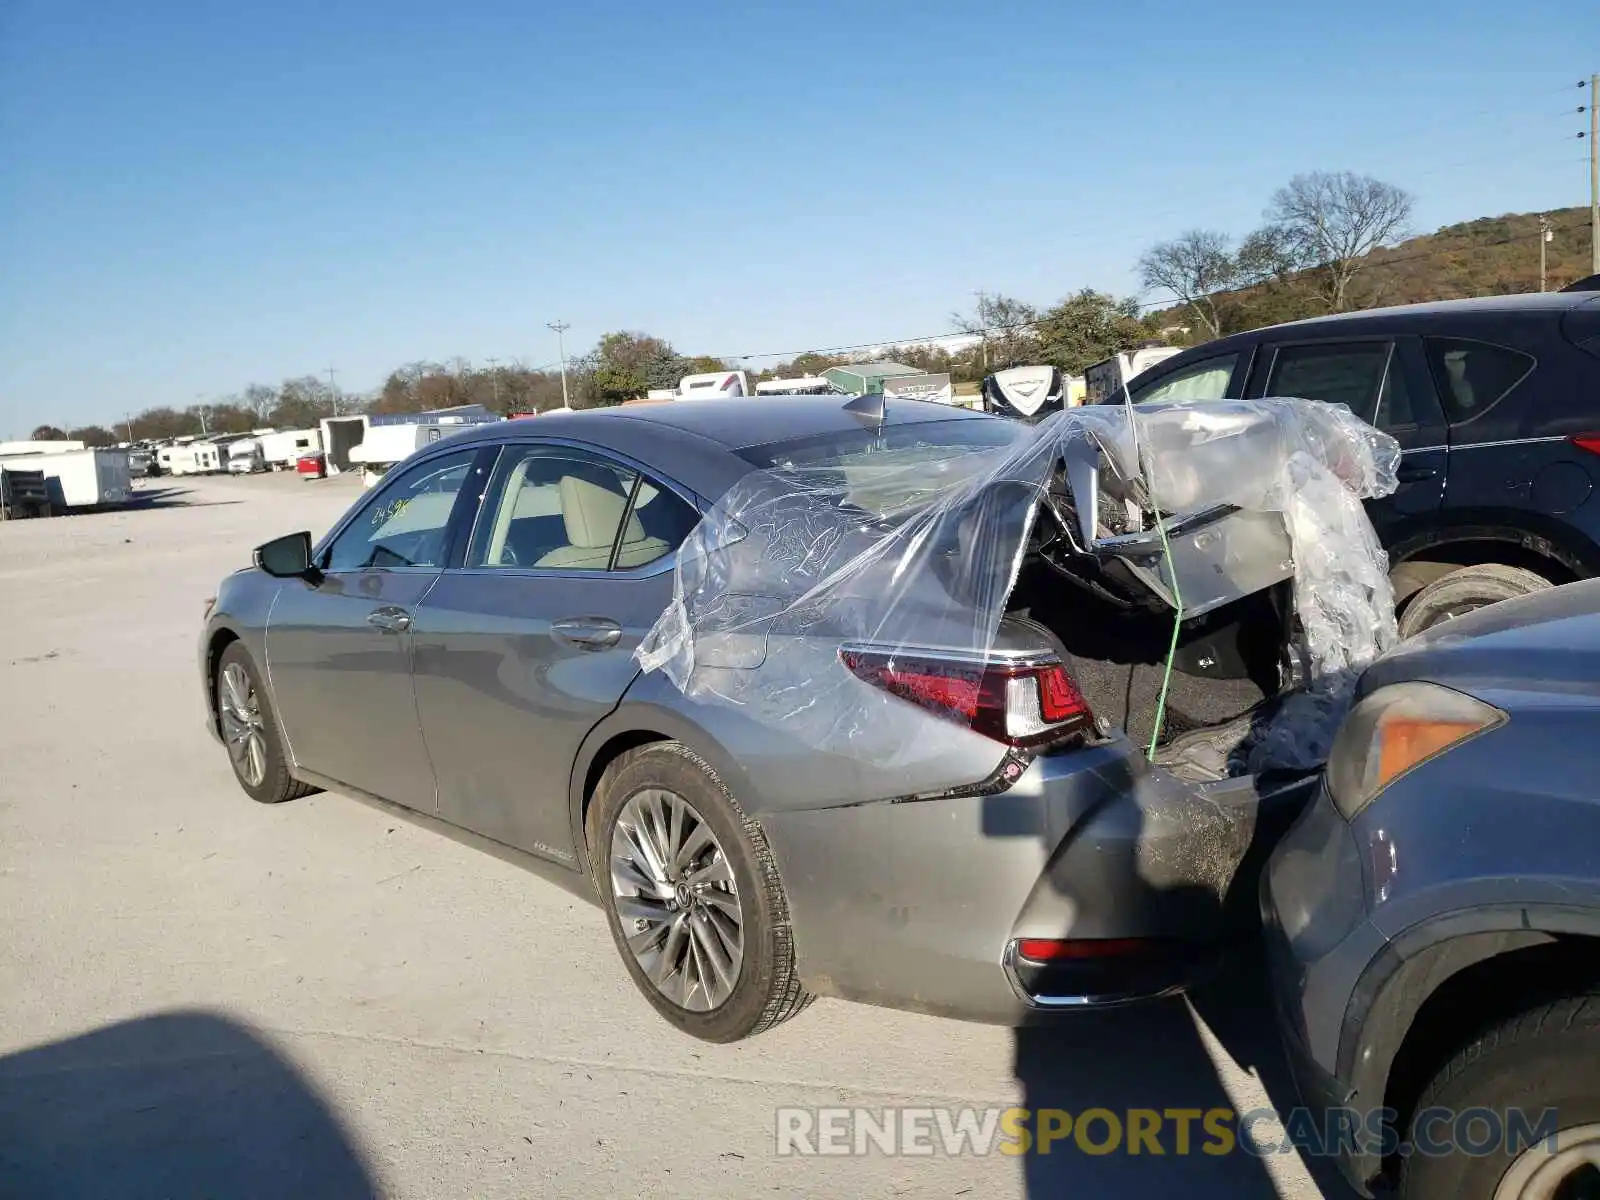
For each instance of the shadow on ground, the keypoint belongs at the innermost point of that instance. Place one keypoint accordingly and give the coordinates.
(172, 496)
(185, 1104)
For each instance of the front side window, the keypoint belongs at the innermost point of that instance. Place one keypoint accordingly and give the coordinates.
(1472, 376)
(1349, 373)
(563, 509)
(407, 524)
(1203, 380)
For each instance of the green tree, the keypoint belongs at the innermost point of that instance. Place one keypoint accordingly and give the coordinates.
(1008, 328)
(93, 435)
(1088, 327)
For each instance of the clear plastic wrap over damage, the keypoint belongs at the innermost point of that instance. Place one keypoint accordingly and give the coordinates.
(1205, 570)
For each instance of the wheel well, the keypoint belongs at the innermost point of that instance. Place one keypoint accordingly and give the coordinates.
(608, 754)
(1418, 570)
(1481, 996)
(220, 641)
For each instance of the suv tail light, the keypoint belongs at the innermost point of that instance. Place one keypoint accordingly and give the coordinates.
(1586, 441)
(1026, 704)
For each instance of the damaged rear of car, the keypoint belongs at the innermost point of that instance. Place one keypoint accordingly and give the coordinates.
(1014, 703)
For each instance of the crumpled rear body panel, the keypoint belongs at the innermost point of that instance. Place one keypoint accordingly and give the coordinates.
(912, 548)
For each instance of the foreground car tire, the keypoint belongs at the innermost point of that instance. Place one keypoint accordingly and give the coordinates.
(250, 731)
(1542, 1059)
(1464, 590)
(692, 895)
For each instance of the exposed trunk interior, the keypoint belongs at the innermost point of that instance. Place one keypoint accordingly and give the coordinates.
(1231, 663)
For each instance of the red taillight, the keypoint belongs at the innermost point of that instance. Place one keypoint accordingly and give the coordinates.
(1024, 705)
(1044, 950)
(1587, 441)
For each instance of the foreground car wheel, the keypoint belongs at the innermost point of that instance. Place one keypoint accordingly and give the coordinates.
(1543, 1059)
(250, 731)
(1465, 590)
(693, 897)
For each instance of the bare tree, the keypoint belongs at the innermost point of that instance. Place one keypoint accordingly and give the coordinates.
(1008, 329)
(1331, 221)
(1193, 267)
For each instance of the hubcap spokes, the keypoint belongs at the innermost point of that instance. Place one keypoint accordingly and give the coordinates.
(1569, 1172)
(676, 899)
(243, 728)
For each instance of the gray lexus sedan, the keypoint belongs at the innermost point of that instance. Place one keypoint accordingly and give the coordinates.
(460, 649)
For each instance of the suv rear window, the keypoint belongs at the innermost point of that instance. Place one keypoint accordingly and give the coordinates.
(1473, 376)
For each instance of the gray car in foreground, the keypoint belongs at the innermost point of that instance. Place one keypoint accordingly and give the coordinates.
(1433, 918)
(460, 649)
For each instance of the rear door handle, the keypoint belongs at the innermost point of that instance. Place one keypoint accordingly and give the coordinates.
(587, 633)
(1416, 474)
(389, 619)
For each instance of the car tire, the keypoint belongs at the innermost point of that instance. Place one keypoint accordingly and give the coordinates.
(765, 989)
(1542, 1059)
(244, 711)
(1467, 589)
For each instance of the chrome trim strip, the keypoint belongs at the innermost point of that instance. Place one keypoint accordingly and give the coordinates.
(1532, 441)
(1008, 963)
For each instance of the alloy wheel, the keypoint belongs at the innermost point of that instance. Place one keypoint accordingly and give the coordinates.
(676, 899)
(1570, 1171)
(243, 727)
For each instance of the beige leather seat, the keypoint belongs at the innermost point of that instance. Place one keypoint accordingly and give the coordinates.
(592, 514)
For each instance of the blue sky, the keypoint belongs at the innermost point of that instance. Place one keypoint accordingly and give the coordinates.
(197, 196)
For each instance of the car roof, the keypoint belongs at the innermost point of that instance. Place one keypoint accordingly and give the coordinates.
(731, 422)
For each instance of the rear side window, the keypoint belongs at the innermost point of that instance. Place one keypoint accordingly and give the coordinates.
(1473, 376)
(555, 508)
(1348, 373)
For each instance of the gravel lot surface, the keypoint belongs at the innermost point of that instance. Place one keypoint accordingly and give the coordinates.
(204, 996)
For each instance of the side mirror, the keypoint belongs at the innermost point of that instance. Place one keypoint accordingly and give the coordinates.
(287, 557)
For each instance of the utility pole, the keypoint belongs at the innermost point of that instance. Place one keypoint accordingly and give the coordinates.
(983, 329)
(494, 373)
(1594, 175)
(561, 328)
(199, 399)
(1545, 237)
(333, 391)
(127, 419)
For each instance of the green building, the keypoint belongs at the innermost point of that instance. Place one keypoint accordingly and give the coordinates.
(866, 379)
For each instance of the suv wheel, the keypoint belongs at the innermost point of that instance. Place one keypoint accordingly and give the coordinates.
(1542, 1060)
(1464, 590)
(692, 895)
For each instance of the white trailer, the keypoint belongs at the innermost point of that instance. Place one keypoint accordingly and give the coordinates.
(192, 458)
(282, 449)
(1106, 379)
(714, 383)
(79, 478)
(803, 385)
(386, 445)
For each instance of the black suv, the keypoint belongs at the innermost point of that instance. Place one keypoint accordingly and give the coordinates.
(1496, 403)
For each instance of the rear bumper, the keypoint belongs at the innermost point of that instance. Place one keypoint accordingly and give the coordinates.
(921, 904)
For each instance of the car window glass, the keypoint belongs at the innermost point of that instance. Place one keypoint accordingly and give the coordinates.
(408, 522)
(1204, 380)
(1471, 376)
(1395, 409)
(558, 509)
(662, 519)
(1351, 373)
